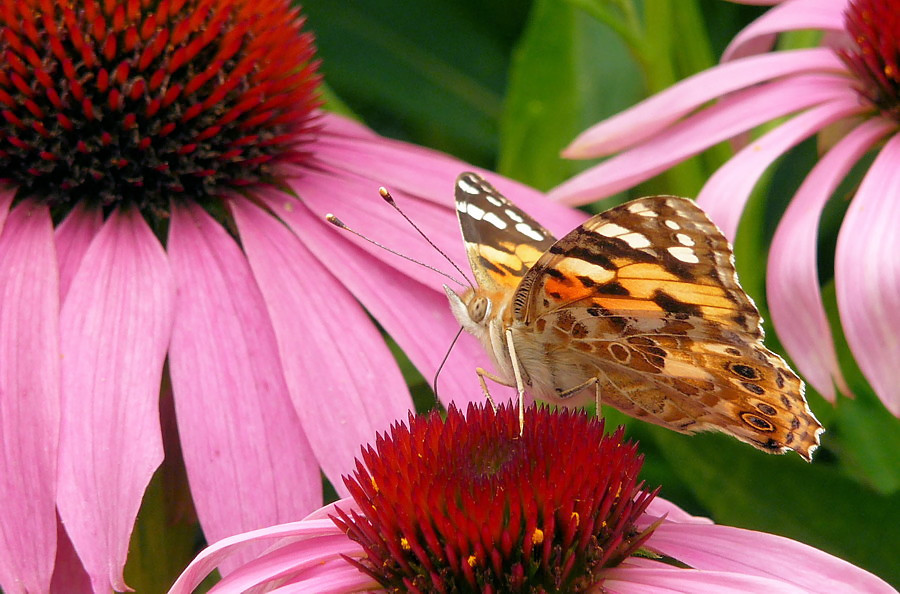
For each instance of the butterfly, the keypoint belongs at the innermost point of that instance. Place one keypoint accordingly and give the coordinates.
(639, 308)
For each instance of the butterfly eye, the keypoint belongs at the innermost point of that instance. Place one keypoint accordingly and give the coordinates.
(478, 308)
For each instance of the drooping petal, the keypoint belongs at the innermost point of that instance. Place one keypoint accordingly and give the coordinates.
(660, 580)
(759, 36)
(649, 117)
(867, 275)
(315, 526)
(69, 576)
(357, 203)
(731, 116)
(115, 326)
(401, 305)
(29, 399)
(343, 380)
(725, 194)
(248, 462)
(724, 548)
(430, 175)
(792, 280)
(73, 237)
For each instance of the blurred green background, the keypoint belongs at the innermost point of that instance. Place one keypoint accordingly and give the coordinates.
(506, 84)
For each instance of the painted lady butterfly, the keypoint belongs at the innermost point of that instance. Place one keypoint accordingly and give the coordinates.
(640, 307)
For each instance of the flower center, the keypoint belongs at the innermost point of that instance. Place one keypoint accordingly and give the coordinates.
(874, 26)
(143, 101)
(467, 504)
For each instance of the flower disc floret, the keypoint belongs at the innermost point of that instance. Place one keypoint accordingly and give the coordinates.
(468, 504)
(142, 101)
(874, 57)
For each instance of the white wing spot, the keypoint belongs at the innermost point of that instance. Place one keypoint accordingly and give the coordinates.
(684, 239)
(673, 225)
(611, 230)
(685, 254)
(648, 213)
(530, 232)
(514, 215)
(494, 220)
(474, 211)
(464, 185)
(636, 240)
(493, 200)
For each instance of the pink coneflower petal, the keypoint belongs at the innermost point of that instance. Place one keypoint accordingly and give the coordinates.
(648, 117)
(247, 459)
(358, 204)
(729, 549)
(114, 328)
(401, 307)
(430, 175)
(322, 331)
(725, 194)
(867, 275)
(735, 114)
(792, 281)
(316, 527)
(759, 36)
(69, 576)
(73, 237)
(674, 580)
(29, 406)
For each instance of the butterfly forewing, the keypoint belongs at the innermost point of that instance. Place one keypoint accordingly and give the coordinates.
(502, 242)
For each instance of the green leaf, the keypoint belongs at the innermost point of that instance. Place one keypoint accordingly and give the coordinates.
(432, 72)
(568, 72)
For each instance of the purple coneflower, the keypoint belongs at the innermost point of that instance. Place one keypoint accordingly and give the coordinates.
(850, 84)
(166, 172)
(467, 504)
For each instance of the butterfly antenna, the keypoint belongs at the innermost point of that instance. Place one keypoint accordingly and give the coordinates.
(390, 200)
(434, 382)
(340, 225)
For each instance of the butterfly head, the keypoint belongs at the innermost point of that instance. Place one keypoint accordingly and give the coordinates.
(472, 310)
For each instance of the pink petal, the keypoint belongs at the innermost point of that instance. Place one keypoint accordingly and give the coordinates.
(6, 197)
(356, 202)
(792, 280)
(430, 175)
(114, 330)
(248, 462)
(867, 275)
(660, 507)
(725, 194)
(651, 116)
(73, 237)
(402, 306)
(292, 561)
(213, 555)
(731, 116)
(659, 580)
(723, 548)
(343, 380)
(29, 406)
(759, 36)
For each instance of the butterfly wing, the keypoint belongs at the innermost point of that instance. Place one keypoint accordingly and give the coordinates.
(645, 298)
(502, 242)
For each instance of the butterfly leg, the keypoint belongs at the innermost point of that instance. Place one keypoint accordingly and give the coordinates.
(520, 385)
(594, 381)
(483, 373)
